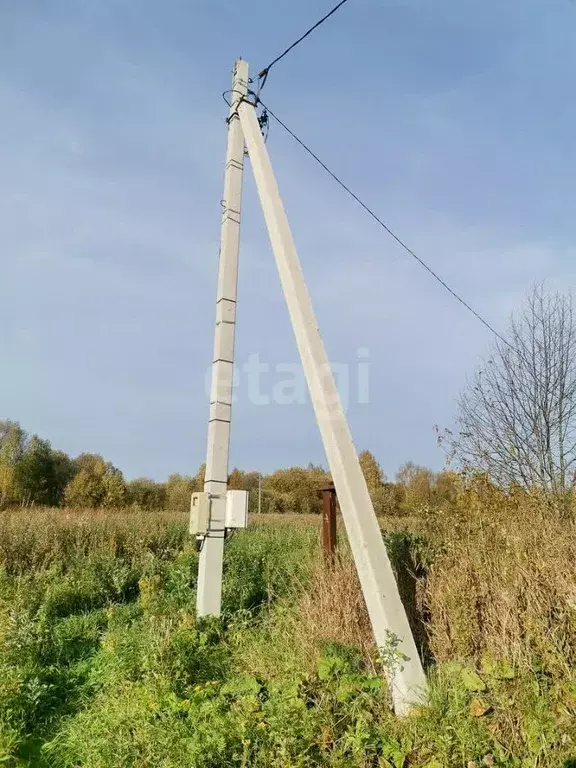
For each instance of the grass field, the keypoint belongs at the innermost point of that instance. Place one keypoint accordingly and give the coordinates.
(104, 665)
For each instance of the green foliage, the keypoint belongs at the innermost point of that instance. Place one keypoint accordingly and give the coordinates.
(12, 442)
(146, 494)
(418, 488)
(417, 483)
(32, 473)
(387, 500)
(90, 462)
(35, 473)
(12, 447)
(115, 492)
(179, 489)
(103, 664)
(294, 490)
(96, 484)
(372, 471)
(265, 567)
(238, 480)
(85, 490)
(64, 471)
(199, 478)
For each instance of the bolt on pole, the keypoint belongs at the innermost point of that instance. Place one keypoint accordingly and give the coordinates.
(216, 479)
(389, 620)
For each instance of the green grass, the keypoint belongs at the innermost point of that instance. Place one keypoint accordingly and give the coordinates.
(103, 665)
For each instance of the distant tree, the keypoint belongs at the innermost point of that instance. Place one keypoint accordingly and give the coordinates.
(236, 480)
(388, 499)
(179, 490)
(91, 462)
(35, 474)
(85, 490)
(517, 417)
(64, 471)
(406, 473)
(199, 478)
(13, 441)
(294, 490)
(417, 483)
(371, 470)
(6, 484)
(97, 483)
(447, 485)
(146, 494)
(30, 471)
(115, 491)
(251, 481)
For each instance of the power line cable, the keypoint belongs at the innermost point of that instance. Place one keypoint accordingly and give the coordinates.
(263, 74)
(392, 234)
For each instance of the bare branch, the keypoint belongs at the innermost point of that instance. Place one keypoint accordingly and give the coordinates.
(517, 417)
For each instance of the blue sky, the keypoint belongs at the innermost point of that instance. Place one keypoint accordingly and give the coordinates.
(454, 119)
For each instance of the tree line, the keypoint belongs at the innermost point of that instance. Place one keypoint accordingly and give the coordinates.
(33, 473)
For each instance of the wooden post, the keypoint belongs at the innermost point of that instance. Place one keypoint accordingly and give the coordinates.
(328, 493)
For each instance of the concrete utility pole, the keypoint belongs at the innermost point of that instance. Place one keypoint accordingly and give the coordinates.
(216, 479)
(388, 617)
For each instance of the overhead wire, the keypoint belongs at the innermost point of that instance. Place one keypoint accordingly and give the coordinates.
(384, 226)
(264, 125)
(263, 74)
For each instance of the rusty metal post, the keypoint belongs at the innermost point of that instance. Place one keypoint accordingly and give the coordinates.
(328, 493)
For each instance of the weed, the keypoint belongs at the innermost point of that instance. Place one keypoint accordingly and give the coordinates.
(103, 664)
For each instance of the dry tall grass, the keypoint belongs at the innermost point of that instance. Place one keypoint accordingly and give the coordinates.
(500, 582)
(497, 581)
(332, 609)
(503, 582)
(36, 538)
